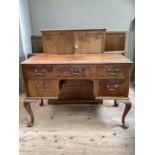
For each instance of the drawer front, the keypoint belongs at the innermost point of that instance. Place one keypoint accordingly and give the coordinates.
(75, 71)
(43, 88)
(38, 71)
(113, 71)
(113, 87)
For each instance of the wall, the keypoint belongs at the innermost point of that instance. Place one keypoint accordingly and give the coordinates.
(131, 47)
(110, 14)
(25, 26)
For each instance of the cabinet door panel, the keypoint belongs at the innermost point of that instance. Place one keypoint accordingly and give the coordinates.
(58, 42)
(115, 41)
(89, 41)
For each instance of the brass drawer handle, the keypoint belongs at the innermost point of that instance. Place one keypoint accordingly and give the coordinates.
(111, 89)
(41, 89)
(116, 85)
(75, 72)
(39, 72)
(113, 71)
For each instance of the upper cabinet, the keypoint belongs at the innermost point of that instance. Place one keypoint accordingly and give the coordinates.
(84, 41)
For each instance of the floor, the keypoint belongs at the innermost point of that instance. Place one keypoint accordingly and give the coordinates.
(77, 130)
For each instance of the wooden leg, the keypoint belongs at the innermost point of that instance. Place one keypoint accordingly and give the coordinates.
(116, 104)
(29, 110)
(126, 110)
(41, 102)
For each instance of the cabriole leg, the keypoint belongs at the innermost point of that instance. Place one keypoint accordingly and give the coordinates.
(41, 102)
(116, 104)
(126, 110)
(29, 110)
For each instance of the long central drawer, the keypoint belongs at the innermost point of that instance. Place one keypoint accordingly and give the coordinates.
(75, 71)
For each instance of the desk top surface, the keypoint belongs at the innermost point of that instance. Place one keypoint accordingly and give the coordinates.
(77, 59)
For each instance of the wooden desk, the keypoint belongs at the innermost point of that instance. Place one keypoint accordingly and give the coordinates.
(109, 75)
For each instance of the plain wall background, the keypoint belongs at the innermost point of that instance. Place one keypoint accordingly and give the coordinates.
(109, 14)
(25, 27)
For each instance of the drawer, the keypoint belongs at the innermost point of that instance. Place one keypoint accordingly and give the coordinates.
(38, 71)
(43, 88)
(74, 71)
(113, 71)
(113, 87)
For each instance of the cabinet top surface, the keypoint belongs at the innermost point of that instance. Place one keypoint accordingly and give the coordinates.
(89, 29)
(77, 59)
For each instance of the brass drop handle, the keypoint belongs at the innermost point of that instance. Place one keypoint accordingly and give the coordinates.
(112, 88)
(39, 72)
(113, 71)
(41, 88)
(116, 85)
(75, 72)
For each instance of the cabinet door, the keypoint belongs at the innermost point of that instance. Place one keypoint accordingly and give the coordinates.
(58, 42)
(120, 42)
(89, 42)
(115, 41)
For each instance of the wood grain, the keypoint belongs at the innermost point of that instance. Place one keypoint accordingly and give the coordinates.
(115, 41)
(73, 41)
(37, 45)
(77, 59)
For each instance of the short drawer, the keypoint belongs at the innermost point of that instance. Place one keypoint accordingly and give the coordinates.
(113, 87)
(74, 71)
(38, 71)
(43, 88)
(113, 71)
